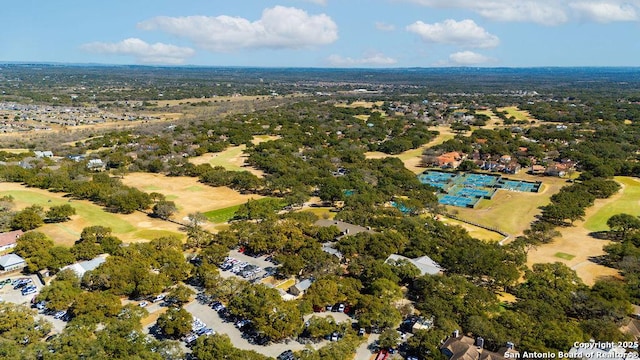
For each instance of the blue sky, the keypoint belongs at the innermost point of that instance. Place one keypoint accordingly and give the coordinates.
(324, 33)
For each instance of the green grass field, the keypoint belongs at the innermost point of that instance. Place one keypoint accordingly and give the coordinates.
(154, 234)
(564, 256)
(152, 188)
(223, 215)
(515, 112)
(91, 214)
(225, 158)
(628, 202)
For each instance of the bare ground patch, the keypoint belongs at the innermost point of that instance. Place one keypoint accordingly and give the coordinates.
(189, 195)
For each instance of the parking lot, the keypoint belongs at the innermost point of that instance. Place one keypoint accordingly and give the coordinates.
(214, 321)
(9, 294)
(259, 266)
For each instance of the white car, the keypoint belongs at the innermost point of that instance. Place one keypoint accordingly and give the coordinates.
(143, 304)
(60, 314)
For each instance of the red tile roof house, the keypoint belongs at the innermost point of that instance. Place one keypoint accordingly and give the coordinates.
(8, 240)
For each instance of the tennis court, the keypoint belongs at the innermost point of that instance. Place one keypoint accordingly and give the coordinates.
(465, 189)
(436, 179)
(477, 193)
(479, 180)
(460, 201)
(514, 185)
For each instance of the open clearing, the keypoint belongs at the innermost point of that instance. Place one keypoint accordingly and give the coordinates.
(363, 104)
(578, 241)
(628, 202)
(233, 158)
(510, 211)
(475, 231)
(129, 228)
(189, 195)
(212, 100)
(15, 151)
(516, 113)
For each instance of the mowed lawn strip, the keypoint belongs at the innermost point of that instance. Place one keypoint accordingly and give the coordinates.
(628, 203)
(223, 215)
(564, 256)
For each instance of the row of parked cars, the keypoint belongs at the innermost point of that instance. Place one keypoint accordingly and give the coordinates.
(240, 268)
(198, 328)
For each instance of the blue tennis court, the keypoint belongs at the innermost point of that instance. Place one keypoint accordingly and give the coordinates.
(460, 201)
(436, 179)
(479, 180)
(478, 193)
(515, 185)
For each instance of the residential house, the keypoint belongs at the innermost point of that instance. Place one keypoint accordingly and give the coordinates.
(450, 160)
(9, 239)
(505, 159)
(345, 228)
(558, 170)
(96, 165)
(537, 170)
(512, 168)
(424, 263)
(11, 262)
(460, 347)
(301, 287)
(80, 268)
(43, 154)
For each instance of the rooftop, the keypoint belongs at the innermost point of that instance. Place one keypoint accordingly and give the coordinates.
(10, 237)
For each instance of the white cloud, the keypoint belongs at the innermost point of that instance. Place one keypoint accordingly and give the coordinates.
(382, 26)
(279, 27)
(318, 2)
(545, 12)
(605, 12)
(143, 52)
(469, 58)
(373, 59)
(461, 33)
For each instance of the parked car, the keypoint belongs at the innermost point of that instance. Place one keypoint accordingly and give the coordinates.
(286, 355)
(361, 332)
(143, 304)
(335, 336)
(189, 338)
(60, 314)
(217, 306)
(158, 298)
(29, 290)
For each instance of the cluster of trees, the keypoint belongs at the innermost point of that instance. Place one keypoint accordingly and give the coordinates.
(624, 253)
(99, 327)
(141, 269)
(40, 252)
(570, 203)
(101, 188)
(33, 216)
